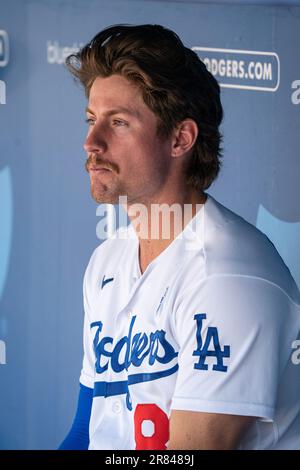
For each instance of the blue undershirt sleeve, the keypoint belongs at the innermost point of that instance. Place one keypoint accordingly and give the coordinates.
(78, 436)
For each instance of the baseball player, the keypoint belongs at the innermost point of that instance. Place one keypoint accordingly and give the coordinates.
(187, 338)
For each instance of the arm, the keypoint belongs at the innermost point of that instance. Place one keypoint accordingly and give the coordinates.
(206, 431)
(231, 333)
(78, 436)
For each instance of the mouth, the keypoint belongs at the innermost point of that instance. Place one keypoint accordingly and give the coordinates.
(99, 169)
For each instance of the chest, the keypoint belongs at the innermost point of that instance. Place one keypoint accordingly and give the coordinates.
(132, 325)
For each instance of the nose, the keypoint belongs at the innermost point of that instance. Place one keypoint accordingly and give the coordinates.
(94, 142)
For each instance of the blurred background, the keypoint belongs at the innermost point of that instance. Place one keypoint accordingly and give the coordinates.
(47, 218)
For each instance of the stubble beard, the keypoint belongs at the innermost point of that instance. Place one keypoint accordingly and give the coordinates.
(104, 194)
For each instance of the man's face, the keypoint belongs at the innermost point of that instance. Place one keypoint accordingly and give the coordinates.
(125, 155)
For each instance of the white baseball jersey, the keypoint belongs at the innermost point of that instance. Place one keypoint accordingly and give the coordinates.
(208, 327)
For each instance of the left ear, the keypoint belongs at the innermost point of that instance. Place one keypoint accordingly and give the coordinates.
(184, 137)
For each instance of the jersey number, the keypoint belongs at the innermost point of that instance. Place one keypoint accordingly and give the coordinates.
(151, 427)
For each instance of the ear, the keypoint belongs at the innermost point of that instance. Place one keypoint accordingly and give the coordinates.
(184, 137)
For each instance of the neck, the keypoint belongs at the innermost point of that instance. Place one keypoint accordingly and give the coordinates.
(159, 222)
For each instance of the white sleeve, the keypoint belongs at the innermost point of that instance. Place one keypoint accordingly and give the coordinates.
(234, 335)
(88, 367)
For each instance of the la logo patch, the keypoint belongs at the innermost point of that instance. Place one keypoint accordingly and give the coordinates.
(202, 350)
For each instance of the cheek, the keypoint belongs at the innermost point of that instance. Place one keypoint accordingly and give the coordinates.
(136, 150)
(143, 151)
(160, 154)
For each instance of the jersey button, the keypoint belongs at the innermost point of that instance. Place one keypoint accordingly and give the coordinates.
(117, 407)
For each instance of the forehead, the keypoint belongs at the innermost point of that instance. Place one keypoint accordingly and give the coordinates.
(115, 90)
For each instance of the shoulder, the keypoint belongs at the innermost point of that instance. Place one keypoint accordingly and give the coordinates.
(233, 246)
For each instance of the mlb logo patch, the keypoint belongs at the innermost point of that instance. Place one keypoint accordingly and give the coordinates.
(4, 48)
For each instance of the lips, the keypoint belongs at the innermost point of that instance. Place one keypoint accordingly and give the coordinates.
(94, 168)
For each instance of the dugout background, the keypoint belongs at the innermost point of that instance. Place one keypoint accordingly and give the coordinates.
(47, 218)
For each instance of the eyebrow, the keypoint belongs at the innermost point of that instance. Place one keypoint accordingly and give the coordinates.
(119, 109)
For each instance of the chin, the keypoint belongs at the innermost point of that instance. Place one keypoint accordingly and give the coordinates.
(105, 198)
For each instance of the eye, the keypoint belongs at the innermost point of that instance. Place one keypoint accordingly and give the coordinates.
(90, 121)
(119, 123)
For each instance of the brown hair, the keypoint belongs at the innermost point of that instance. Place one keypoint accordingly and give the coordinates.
(174, 82)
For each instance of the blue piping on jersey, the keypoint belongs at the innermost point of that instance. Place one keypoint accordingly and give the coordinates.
(109, 389)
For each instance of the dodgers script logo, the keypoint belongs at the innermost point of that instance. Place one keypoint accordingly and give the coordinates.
(140, 348)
